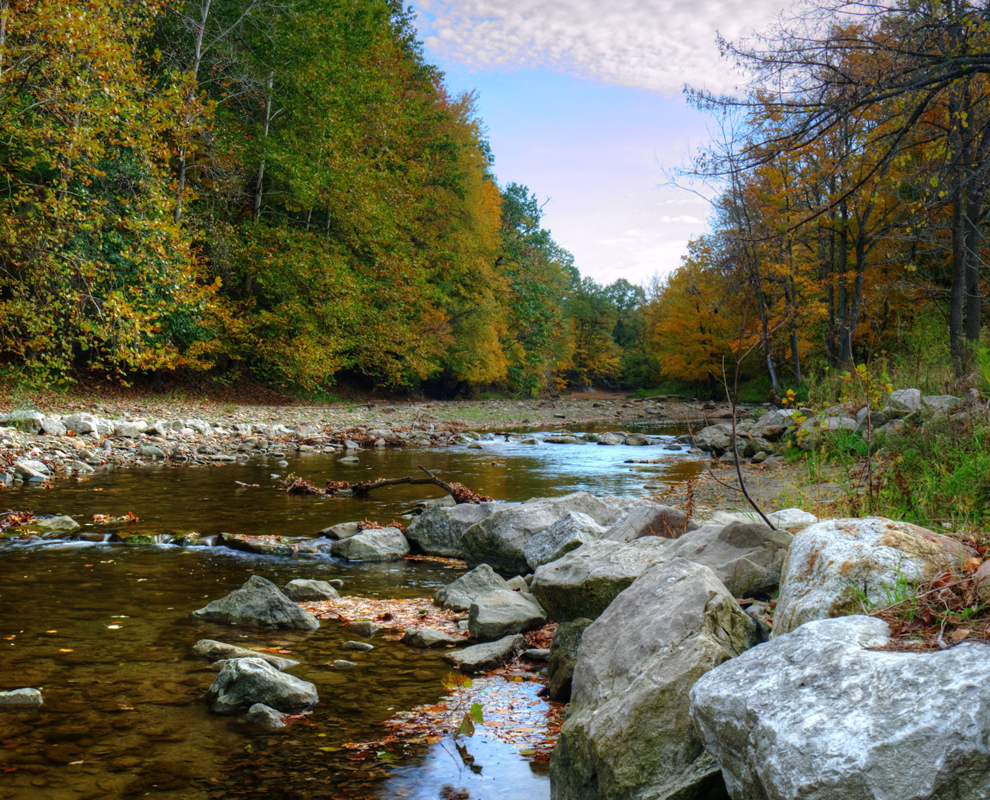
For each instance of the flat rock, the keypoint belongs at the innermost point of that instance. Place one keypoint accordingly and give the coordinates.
(459, 595)
(265, 545)
(220, 651)
(785, 518)
(501, 613)
(628, 734)
(486, 656)
(343, 530)
(562, 658)
(260, 604)
(584, 581)
(610, 439)
(30, 468)
(438, 530)
(60, 523)
(242, 682)
(263, 717)
(568, 533)
(381, 544)
(821, 714)
(28, 698)
(357, 647)
(303, 590)
(832, 559)
(430, 637)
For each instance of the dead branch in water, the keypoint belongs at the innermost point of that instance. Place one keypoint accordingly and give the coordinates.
(460, 492)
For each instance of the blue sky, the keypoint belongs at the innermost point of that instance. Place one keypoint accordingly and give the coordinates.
(583, 104)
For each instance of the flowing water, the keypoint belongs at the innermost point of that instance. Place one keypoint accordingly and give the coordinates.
(103, 631)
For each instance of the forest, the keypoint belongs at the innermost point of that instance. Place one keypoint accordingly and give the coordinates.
(850, 187)
(285, 192)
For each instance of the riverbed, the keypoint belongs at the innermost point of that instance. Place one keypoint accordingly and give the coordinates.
(103, 629)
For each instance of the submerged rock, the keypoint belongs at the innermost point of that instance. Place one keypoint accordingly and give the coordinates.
(490, 655)
(628, 734)
(257, 603)
(459, 595)
(501, 613)
(821, 714)
(243, 682)
(874, 556)
(220, 651)
(380, 544)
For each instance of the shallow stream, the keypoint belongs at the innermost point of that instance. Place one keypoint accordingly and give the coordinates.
(103, 631)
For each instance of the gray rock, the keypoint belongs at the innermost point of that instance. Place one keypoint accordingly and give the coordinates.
(459, 595)
(151, 451)
(906, 401)
(585, 581)
(343, 530)
(635, 440)
(357, 647)
(568, 533)
(438, 530)
(786, 518)
(500, 540)
(53, 426)
(746, 557)
(260, 604)
(87, 423)
(501, 613)
(941, 404)
(518, 583)
(362, 627)
(341, 663)
(263, 717)
(430, 638)
(60, 523)
(382, 544)
(302, 590)
(822, 714)
(538, 654)
(242, 682)
(563, 658)
(24, 420)
(876, 419)
(895, 426)
(772, 425)
(490, 655)
(610, 439)
(29, 698)
(129, 430)
(716, 439)
(628, 733)
(219, 651)
(874, 557)
(652, 519)
(564, 438)
(29, 468)
(349, 460)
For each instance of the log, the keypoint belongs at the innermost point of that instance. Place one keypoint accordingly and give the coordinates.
(460, 492)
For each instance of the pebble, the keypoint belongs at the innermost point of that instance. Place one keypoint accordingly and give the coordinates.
(340, 663)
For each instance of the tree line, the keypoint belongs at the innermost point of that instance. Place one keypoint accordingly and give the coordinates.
(850, 183)
(282, 190)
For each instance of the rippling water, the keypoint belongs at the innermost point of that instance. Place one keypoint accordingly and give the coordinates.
(103, 630)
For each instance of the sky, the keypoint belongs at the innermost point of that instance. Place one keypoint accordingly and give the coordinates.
(583, 101)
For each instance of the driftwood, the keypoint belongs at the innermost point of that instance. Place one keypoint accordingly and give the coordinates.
(460, 492)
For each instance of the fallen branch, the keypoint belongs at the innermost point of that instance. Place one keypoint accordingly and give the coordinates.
(460, 492)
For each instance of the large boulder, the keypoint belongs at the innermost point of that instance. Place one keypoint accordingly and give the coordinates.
(377, 544)
(258, 603)
(242, 682)
(772, 425)
(24, 420)
(715, 438)
(586, 580)
(221, 651)
(500, 540)
(651, 519)
(563, 658)
(502, 613)
(941, 404)
(835, 563)
(485, 656)
(438, 530)
(305, 590)
(87, 423)
(823, 714)
(628, 733)
(568, 533)
(746, 557)
(786, 518)
(467, 589)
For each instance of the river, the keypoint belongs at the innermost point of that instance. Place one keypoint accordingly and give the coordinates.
(103, 631)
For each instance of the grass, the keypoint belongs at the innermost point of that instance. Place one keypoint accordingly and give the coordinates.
(681, 388)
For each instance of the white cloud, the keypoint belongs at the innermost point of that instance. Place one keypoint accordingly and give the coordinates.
(649, 44)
